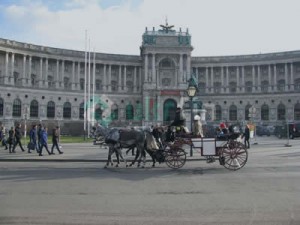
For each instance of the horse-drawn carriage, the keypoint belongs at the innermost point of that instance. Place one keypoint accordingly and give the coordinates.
(231, 153)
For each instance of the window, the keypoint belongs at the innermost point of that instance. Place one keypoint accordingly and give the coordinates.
(281, 112)
(51, 109)
(265, 112)
(248, 87)
(34, 108)
(67, 110)
(81, 84)
(98, 85)
(296, 111)
(50, 81)
(264, 86)
(247, 112)
(281, 85)
(66, 82)
(129, 86)
(114, 112)
(1, 107)
(218, 113)
(129, 112)
(217, 87)
(33, 80)
(114, 86)
(16, 78)
(232, 87)
(202, 87)
(233, 113)
(17, 108)
(81, 111)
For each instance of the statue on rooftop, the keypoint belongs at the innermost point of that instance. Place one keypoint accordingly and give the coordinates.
(166, 27)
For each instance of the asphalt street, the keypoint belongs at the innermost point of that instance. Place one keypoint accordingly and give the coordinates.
(74, 188)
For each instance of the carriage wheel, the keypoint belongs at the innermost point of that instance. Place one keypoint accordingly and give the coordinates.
(175, 158)
(235, 157)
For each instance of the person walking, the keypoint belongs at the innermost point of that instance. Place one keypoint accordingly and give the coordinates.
(3, 138)
(39, 136)
(33, 139)
(11, 139)
(18, 137)
(44, 141)
(246, 136)
(55, 140)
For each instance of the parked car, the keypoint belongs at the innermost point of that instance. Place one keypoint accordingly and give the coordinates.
(262, 130)
(281, 131)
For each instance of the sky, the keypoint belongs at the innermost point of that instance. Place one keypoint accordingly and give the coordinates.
(218, 27)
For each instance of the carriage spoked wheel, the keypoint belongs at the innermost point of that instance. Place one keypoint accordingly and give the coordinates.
(234, 156)
(175, 158)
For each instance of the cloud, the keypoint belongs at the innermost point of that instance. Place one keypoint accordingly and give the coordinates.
(218, 27)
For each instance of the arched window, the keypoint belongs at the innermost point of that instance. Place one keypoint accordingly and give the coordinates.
(281, 112)
(232, 113)
(265, 112)
(67, 110)
(114, 112)
(51, 109)
(17, 108)
(34, 108)
(297, 112)
(218, 112)
(247, 112)
(169, 110)
(81, 111)
(1, 106)
(129, 112)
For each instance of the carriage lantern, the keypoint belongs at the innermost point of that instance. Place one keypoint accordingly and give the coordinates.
(191, 91)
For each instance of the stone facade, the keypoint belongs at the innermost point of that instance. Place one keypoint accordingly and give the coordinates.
(47, 84)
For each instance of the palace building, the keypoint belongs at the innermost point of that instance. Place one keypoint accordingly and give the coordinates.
(45, 84)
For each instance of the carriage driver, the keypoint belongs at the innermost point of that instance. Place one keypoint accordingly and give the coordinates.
(179, 121)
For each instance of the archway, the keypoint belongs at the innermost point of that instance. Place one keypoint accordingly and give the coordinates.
(170, 106)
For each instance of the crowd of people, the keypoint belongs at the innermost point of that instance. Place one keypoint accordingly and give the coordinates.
(38, 139)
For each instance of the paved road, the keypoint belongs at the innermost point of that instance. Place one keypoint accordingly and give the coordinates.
(56, 191)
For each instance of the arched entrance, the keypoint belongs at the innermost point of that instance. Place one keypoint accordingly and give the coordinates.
(169, 110)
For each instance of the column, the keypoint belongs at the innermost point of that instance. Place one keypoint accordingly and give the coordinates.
(269, 78)
(109, 78)
(286, 87)
(45, 77)
(206, 80)
(292, 77)
(275, 77)
(140, 79)
(125, 78)
(237, 79)
(181, 68)
(259, 78)
(146, 68)
(24, 71)
(222, 79)
(29, 70)
(188, 66)
(73, 75)
(57, 74)
(6, 75)
(62, 77)
(12, 70)
(120, 79)
(40, 78)
(104, 78)
(78, 76)
(243, 78)
(253, 78)
(134, 79)
(153, 69)
(227, 79)
(212, 80)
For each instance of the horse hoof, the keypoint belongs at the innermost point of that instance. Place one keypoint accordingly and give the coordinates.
(105, 167)
(153, 166)
(117, 165)
(126, 166)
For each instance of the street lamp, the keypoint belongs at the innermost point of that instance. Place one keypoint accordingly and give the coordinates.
(191, 91)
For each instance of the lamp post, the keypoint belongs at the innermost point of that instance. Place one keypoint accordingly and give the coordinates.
(191, 91)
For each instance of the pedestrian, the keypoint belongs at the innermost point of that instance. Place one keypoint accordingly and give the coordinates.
(3, 138)
(18, 137)
(11, 139)
(33, 139)
(55, 140)
(198, 130)
(39, 136)
(246, 136)
(44, 141)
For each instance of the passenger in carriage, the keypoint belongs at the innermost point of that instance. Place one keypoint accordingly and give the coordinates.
(157, 133)
(198, 131)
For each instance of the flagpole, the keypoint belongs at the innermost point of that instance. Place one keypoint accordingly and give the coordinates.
(89, 90)
(94, 77)
(85, 82)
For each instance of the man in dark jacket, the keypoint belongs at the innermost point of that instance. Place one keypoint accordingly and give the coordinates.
(55, 140)
(246, 136)
(18, 137)
(33, 136)
(39, 136)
